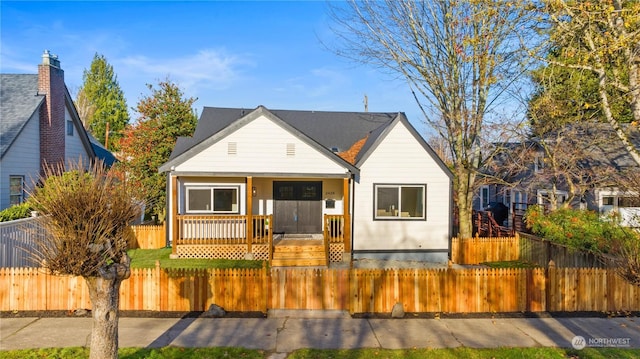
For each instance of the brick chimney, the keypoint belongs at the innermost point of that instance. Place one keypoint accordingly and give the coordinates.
(52, 112)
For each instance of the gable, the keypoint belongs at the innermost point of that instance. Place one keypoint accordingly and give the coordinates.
(260, 145)
(20, 101)
(403, 146)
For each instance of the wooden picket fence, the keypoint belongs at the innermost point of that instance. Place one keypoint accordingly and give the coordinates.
(523, 247)
(149, 237)
(354, 290)
(484, 249)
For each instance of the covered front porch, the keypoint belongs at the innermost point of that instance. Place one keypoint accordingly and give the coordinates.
(251, 237)
(262, 232)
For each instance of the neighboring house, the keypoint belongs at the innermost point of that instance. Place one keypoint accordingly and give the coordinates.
(605, 194)
(362, 184)
(39, 125)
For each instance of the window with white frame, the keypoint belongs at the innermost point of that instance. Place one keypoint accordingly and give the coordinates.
(400, 201)
(213, 199)
(16, 189)
(519, 200)
(545, 197)
(484, 197)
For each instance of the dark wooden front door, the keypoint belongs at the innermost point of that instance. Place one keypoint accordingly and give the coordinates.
(297, 207)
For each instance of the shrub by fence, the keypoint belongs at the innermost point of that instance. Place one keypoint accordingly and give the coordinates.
(356, 290)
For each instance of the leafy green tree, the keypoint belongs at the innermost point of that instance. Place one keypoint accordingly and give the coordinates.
(86, 213)
(147, 144)
(102, 102)
(565, 96)
(601, 37)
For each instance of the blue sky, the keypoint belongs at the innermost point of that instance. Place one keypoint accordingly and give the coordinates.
(227, 54)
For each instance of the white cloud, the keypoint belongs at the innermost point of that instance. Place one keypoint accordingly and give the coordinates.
(213, 69)
(317, 83)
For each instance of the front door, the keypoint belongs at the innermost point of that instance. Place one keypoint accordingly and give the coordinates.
(297, 207)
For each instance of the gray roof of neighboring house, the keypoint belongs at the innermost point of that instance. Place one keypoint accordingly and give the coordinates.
(338, 130)
(19, 99)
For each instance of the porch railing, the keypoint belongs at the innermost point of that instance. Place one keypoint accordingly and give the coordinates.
(221, 229)
(334, 228)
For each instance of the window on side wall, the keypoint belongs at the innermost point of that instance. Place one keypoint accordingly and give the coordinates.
(217, 199)
(16, 189)
(400, 202)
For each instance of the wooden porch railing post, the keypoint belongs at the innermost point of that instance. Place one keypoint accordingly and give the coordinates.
(174, 208)
(249, 213)
(347, 217)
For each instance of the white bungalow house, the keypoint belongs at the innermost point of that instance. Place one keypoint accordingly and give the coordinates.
(307, 188)
(39, 125)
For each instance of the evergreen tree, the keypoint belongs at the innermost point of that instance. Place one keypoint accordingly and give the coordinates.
(564, 95)
(104, 102)
(147, 144)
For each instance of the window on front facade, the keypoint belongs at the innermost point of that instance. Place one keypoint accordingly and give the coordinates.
(400, 201)
(16, 189)
(213, 200)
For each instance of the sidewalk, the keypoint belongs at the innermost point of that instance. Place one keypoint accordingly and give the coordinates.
(288, 333)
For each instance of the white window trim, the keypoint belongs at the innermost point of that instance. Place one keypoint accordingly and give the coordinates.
(211, 188)
(484, 204)
(615, 194)
(22, 189)
(399, 214)
(541, 192)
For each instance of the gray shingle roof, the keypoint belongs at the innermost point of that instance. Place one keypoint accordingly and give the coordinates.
(18, 101)
(333, 130)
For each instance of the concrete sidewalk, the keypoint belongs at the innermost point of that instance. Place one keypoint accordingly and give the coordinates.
(286, 334)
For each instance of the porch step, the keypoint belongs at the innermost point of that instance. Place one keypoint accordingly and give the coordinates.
(299, 253)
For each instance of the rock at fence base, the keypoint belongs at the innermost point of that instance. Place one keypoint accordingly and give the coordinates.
(397, 311)
(215, 311)
(80, 312)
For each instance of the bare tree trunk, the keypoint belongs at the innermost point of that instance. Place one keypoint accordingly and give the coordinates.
(464, 196)
(105, 296)
(104, 291)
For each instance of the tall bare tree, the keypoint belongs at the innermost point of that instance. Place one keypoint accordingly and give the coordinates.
(86, 214)
(458, 57)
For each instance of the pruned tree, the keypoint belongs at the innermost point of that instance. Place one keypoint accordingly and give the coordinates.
(102, 102)
(601, 37)
(86, 214)
(458, 57)
(164, 115)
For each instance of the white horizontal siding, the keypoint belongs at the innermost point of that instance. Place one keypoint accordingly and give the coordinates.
(401, 159)
(22, 159)
(261, 147)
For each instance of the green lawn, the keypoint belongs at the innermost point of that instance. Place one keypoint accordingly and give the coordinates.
(451, 353)
(146, 258)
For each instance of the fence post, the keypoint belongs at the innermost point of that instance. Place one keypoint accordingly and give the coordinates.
(550, 286)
